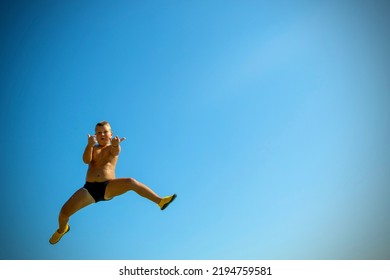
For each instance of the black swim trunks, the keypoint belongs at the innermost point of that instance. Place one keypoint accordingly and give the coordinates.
(96, 190)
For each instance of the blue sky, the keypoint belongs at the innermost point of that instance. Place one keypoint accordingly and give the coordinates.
(269, 119)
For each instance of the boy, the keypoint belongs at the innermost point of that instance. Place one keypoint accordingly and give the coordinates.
(101, 155)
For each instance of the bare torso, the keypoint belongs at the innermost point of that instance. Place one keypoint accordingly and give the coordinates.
(102, 166)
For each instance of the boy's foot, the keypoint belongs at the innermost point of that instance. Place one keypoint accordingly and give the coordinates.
(165, 201)
(57, 235)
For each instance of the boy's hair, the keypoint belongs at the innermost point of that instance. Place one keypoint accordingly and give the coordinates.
(103, 123)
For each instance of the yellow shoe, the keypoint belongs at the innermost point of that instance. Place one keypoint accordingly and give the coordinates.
(57, 236)
(165, 201)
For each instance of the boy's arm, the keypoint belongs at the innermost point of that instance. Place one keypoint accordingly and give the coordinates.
(115, 150)
(87, 156)
(115, 145)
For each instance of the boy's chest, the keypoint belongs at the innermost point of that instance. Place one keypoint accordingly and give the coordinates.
(101, 155)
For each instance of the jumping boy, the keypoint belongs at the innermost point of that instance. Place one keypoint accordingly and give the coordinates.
(101, 155)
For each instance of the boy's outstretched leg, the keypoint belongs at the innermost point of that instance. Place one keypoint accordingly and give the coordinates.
(120, 186)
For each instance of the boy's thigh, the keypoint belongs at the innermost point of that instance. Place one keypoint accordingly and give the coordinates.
(118, 187)
(78, 200)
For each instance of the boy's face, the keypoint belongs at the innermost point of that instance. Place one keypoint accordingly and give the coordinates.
(103, 135)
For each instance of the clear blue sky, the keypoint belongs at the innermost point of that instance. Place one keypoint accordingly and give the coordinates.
(269, 119)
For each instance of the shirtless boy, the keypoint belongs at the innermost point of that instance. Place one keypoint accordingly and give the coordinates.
(101, 154)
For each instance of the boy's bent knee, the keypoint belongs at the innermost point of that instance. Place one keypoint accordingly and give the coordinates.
(132, 181)
(64, 213)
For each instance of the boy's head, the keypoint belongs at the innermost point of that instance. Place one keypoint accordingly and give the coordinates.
(103, 123)
(103, 133)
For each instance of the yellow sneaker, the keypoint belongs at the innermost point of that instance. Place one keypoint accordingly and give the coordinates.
(57, 236)
(165, 201)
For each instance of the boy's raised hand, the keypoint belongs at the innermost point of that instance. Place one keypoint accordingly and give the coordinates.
(91, 140)
(115, 141)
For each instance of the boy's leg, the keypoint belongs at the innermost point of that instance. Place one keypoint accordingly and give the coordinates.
(78, 200)
(120, 186)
